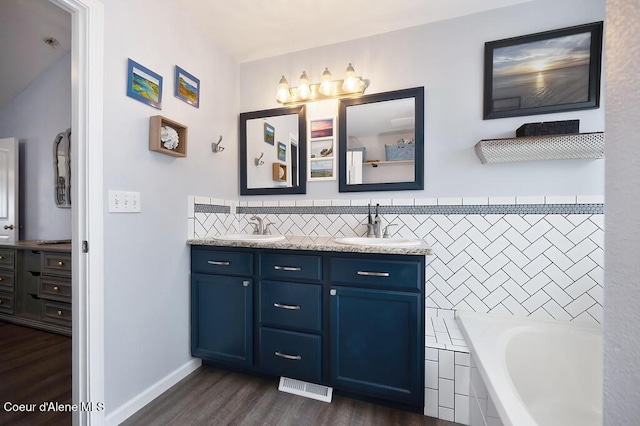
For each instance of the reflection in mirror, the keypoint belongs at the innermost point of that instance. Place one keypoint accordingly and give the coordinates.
(382, 141)
(62, 169)
(272, 144)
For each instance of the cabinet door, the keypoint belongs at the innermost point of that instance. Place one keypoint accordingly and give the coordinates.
(375, 343)
(222, 319)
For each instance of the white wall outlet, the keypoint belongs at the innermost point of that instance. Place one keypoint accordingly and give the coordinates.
(124, 202)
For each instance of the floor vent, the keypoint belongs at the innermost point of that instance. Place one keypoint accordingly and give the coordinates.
(308, 390)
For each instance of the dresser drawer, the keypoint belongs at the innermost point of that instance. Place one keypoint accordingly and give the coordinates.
(6, 302)
(55, 289)
(7, 258)
(6, 280)
(221, 262)
(290, 267)
(291, 354)
(291, 305)
(56, 264)
(393, 274)
(56, 312)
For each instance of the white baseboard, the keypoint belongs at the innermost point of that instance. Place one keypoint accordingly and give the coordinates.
(132, 406)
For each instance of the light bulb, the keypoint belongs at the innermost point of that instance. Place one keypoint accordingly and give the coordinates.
(326, 84)
(350, 80)
(283, 94)
(303, 86)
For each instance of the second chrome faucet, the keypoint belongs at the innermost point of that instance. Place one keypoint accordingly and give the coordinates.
(374, 225)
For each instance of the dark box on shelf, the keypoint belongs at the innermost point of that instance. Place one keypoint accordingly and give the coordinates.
(549, 128)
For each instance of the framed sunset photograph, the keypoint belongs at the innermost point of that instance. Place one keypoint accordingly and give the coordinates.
(541, 73)
(187, 87)
(144, 85)
(321, 128)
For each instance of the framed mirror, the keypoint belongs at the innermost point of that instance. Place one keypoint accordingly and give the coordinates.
(381, 141)
(273, 151)
(62, 169)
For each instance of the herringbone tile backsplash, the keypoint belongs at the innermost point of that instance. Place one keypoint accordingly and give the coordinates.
(544, 260)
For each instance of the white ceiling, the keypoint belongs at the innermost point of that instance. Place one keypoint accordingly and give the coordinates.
(23, 25)
(256, 29)
(246, 29)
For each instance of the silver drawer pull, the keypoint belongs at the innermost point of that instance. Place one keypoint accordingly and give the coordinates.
(373, 274)
(218, 262)
(287, 268)
(290, 307)
(291, 357)
(245, 283)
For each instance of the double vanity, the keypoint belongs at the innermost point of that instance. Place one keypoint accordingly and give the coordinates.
(346, 313)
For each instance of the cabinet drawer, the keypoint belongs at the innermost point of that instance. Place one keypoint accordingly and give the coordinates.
(6, 302)
(6, 280)
(291, 354)
(56, 264)
(55, 289)
(393, 274)
(56, 312)
(7, 258)
(221, 262)
(291, 305)
(291, 267)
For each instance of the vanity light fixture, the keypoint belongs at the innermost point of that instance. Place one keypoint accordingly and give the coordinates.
(326, 89)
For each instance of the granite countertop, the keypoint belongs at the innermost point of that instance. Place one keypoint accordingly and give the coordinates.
(313, 244)
(49, 245)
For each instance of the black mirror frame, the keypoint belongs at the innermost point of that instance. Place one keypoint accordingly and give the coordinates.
(417, 93)
(302, 150)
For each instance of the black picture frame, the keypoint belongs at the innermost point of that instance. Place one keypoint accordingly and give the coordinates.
(564, 76)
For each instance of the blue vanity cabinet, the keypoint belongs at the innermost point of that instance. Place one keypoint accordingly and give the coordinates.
(290, 315)
(222, 306)
(377, 327)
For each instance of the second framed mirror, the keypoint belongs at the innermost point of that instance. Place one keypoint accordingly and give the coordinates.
(381, 141)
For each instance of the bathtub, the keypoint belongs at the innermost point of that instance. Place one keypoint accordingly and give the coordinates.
(536, 372)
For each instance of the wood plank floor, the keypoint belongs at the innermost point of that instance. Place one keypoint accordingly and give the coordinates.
(35, 367)
(212, 396)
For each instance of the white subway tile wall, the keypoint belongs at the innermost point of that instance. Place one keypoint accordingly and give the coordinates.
(525, 256)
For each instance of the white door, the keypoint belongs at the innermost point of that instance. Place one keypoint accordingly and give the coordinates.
(8, 190)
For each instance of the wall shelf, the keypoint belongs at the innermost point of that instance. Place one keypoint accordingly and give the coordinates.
(531, 148)
(155, 144)
(377, 163)
(279, 172)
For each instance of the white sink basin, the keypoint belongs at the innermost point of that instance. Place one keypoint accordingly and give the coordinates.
(254, 238)
(378, 242)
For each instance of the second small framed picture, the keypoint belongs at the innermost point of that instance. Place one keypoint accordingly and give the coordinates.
(322, 148)
(187, 87)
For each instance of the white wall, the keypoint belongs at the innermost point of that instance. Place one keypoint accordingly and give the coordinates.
(622, 289)
(447, 59)
(146, 259)
(35, 117)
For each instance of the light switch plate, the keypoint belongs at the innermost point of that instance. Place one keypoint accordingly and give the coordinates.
(124, 202)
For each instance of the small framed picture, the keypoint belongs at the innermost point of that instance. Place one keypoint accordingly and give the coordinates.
(187, 87)
(321, 128)
(269, 133)
(541, 73)
(282, 152)
(322, 170)
(144, 85)
(321, 148)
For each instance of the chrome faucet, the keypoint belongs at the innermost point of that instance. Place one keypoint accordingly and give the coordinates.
(374, 227)
(257, 227)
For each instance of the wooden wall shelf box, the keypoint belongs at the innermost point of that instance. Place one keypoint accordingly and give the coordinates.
(279, 172)
(155, 123)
